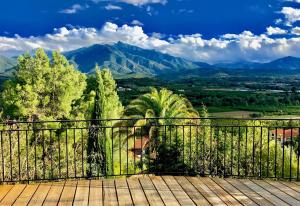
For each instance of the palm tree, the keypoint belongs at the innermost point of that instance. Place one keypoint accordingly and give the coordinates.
(154, 113)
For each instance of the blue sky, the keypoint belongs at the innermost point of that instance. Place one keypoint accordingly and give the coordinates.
(199, 30)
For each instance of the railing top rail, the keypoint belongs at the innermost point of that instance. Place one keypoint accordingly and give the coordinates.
(157, 118)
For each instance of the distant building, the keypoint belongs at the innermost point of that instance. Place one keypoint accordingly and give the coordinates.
(140, 145)
(285, 135)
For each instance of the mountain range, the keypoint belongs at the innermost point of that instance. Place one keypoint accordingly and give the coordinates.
(125, 60)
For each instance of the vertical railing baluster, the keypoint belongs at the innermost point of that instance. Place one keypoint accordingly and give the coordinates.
(239, 150)
(275, 159)
(127, 137)
(112, 151)
(224, 149)
(183, 147)
(59, 154)
(27, 158)
(298, 153)
(291, 155)
(120, 155)
(260, 154)
(268, 157)
(210, 152)
(51, 154)
(231, 152)
(246, 153)
(217, 146)
(19, 154)
(283, 147)
(253, 151)
(67, 152)
(74, 151)
(134, 147)
(10, 156)
(44, 155)
(142, 148)
(2, 157)
(82, 155)
(190, 144)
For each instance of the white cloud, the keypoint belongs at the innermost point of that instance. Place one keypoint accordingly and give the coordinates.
(134, 2)
(73, 9)
(275, 31)
(137, 23)
(228, 47)
(112, 7)
(291, 14)
(297, 1)
(296, 30)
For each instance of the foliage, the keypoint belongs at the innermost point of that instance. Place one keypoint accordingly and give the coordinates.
(42, 88)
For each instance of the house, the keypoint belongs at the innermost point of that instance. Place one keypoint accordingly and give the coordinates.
(285, 135)
(139, 147)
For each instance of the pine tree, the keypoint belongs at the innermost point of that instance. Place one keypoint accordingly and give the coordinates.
(42, 89)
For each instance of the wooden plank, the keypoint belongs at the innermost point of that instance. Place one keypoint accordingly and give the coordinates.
(225, 196)
(96, 193)
(278, 193)
(40, 195)
(26, 195)
(285, 189)
(54, 194)
(193, 193)
(82, 193)
(123, 193)
(178, 192)
(241, 197)
(137, 193)
(249, 193)
(109, 191)
(4, 189)
(267, 195)
(205, 191)
(12, 195)
(150, 191)
(68, 193)
(164, 192)
(292, 185)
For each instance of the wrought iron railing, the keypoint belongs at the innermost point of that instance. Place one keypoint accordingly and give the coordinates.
(48, 150)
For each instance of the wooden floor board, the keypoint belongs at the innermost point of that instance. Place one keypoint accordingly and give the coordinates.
(164, 191)
(145, 190)
(96, 193)
(238, 195)
(109, 191)
(150, 191)
(206, 191)
(192, 192)
(54, 194)
(26, 195)
(123, 192)
(68, 193)
(178, 192)
(82, 193)
(278, 193)
(267, 195)
(12, 195)
(41, 194)
(137, 193)
(4, 189)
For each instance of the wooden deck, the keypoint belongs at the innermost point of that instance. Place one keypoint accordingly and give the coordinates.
(154, 190)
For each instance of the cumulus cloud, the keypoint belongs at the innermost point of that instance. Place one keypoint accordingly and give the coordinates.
(291, 14)
(134, 2)
(275, 31)
(112, 7)
(296, 30)
(137, 22)
(73, 9)
(228, 47)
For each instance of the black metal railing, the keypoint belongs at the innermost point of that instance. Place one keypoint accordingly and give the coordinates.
(48, 150)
